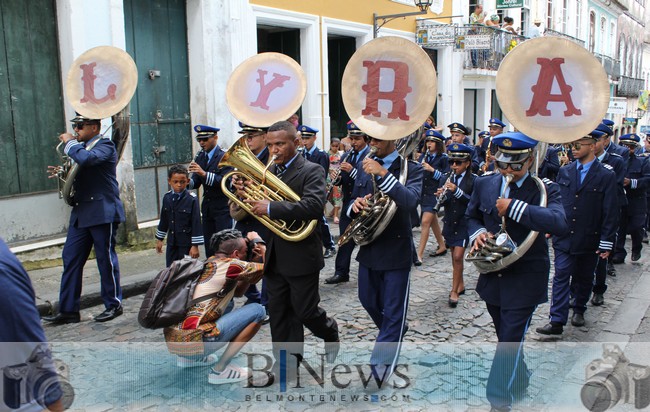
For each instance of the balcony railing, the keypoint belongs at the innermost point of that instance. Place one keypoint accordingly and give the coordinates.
(611, 65)
(549, 32)
(486, 46)
(629, 87)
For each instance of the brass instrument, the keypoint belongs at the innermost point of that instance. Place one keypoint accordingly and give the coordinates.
(109, 63)
(443, 195)
(358, 84)
(488, 156)
(264, 186)
(563, 156)
(337, 177)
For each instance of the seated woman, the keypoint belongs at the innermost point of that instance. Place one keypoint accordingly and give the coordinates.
(206, 328)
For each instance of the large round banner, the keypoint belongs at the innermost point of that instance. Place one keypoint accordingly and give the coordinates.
(389, 88)
(101, 82)
(266, 88)
(552, 89)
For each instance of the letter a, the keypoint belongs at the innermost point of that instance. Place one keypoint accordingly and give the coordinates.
(396, 96)
(550, 70)
(89, 85)
(266, 89)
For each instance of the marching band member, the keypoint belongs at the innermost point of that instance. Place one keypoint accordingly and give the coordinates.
(459, 188)
(435, 164)
(315, 155)
(292, 268)
(206, 172)
(495, 127)
(619, 167)
(510, 309)
(460, 134)
(636, 183)
(359, 142)
(588, 190)
(385, 263)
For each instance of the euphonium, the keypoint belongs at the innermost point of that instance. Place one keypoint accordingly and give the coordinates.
(264, 186)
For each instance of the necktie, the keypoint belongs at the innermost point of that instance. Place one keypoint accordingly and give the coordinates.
(307, 155)
(175, 197)
(279, 170)
(580, 174)
(381, 162)
(353, 159)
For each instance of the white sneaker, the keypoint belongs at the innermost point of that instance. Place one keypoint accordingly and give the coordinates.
(190, 363)
(230, 374)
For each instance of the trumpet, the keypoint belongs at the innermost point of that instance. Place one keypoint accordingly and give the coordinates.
(443, 195)
(562, 156)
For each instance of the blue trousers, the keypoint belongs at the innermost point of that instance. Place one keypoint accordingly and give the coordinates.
(328, 241)
(344, 254)
(574, 274)
(509, 375)
(385, 296)
(75, 254)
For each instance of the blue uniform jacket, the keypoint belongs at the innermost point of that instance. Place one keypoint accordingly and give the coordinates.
(433, 180)
(591, 209)
(97, 196)
(347, 179)
(214, 201)
(181, 219)
(319, 157)
(551, 164)
(624, 152)
(619, 166)
(525, 282)
(638, 171)
(392, 250)
(455, 206)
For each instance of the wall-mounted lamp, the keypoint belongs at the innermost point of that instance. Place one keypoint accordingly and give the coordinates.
(423, 5)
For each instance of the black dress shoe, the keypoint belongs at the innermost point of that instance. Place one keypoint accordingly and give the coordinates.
(611, 270)
(551, 328)
(452, 303)
(578, 319)
(436, 254)
(418, 263)
(337, 279)
(617, 260)
(109, 314)
(63, 318)
(598, 299)
(329, 253)
(636, 256)
(462, 292)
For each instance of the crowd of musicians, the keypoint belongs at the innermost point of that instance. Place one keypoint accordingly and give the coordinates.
(586, 196)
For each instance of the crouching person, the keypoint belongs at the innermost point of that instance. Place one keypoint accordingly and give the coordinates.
(206, 328)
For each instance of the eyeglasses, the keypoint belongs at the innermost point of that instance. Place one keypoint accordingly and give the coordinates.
(78, 126)
(515, 166)
(253, 135)
(457, 161)
(202, 139)
(576, 145)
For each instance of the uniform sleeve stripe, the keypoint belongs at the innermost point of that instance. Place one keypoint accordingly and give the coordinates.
(353, 174)
(387, 182)
(458, 193)
(605, 245)
(517, 209)
(69, 145)
(160, 235)
(437, 174)
(473, 237)
(197, 240)
(209, 178)
(633, 183)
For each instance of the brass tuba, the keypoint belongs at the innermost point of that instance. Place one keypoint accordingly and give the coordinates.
(264, 186)
(581, 71)
(104, 66)
(415, 77)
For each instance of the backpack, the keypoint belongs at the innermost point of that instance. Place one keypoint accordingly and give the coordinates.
(170, 294)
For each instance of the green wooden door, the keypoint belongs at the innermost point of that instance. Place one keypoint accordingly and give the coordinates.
(31, 109)
(156, 37)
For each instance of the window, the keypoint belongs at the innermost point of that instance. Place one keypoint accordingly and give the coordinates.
(592, 31)
(549, 15)
(603, 31)
(525, 18)
(565, 16)
(612, 40)
(578, 18)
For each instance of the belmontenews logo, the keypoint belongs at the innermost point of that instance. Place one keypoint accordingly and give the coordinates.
(39, 379)
(614, 379)
(293, 371)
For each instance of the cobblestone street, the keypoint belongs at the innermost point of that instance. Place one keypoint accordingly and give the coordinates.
(448, 351)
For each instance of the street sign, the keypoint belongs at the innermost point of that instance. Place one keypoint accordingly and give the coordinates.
(630, 121)
(474, 42)
(509, 4)
(617, 106)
